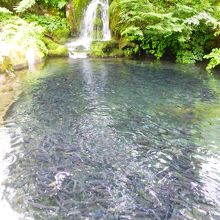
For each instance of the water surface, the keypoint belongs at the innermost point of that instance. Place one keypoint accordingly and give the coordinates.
(133, 140)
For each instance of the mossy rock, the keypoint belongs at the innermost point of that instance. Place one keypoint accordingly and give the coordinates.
(115, 18)
(98, 24)
(61, 51)
(70, 16)
(61, 35)
(105, 49)
(79, 6)
(55, 49)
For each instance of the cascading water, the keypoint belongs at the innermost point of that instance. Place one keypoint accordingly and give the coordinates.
(97, 9)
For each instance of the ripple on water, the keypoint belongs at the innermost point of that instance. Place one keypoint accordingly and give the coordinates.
(7, 158)
(129, 139)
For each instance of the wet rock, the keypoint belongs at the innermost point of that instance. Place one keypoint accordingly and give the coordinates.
(105, 49)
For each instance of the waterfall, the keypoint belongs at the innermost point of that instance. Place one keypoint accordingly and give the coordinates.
(80, 47)
(89, 19)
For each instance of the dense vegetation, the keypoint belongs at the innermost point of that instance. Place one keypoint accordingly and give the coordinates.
(187, 30)
(26, 26)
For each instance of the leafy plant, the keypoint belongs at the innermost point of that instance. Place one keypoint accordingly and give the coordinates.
(5, 11)
(24, 5)
(186, 28)
(50, 23)
(18, 31)
(214, 57)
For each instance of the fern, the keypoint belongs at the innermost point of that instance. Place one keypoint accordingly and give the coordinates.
(133, 33)
(5, 11)
(214, 57)
(202, 16)
(61, 4)
(186, 28)
(24, 5)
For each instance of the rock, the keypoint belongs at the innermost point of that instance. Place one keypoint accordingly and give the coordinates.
(105, 49)
(71, 16)
(55, 49)
(78, 10)
(98, 24)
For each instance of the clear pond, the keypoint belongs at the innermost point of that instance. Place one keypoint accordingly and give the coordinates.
(114, 139)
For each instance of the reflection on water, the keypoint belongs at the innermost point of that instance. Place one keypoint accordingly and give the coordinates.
(115, 139)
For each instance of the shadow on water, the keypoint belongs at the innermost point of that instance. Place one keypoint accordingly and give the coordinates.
(98, 139)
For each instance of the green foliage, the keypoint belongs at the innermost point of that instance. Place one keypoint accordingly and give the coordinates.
(114, 14)
(51, 14)
(24, 5)
(202, 17)
(214, 57)
(9, 4)
(5, 11)
(51, 24)
(54, 3)
(18, 31)
(186, 28)
(6, 65)
(61, 4)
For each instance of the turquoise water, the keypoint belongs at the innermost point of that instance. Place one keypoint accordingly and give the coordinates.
(128, 140)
